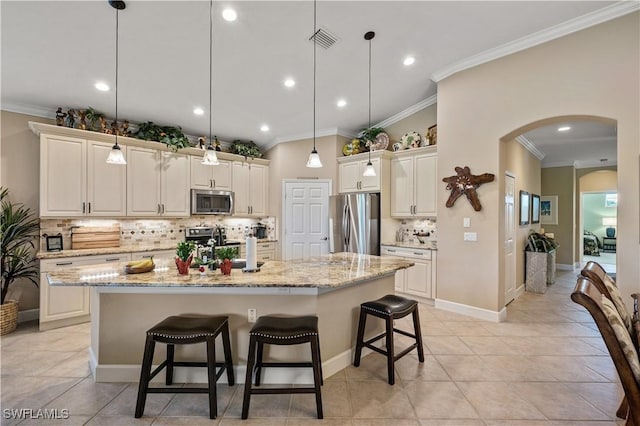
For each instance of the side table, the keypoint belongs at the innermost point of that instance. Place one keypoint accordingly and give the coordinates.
(608, 245)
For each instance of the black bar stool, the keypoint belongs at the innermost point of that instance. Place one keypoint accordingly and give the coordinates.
(186, 330)
(388, 308)
(283, 331)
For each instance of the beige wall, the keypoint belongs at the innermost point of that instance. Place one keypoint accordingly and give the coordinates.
(417, 122)
(525, 167)
(478, 107)
(560, 181)
(21, 174)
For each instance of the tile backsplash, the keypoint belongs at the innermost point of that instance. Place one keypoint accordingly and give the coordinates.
(408, 227)
(154, 231)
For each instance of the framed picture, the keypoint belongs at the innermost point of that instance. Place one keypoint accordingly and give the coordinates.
(524, 208)
(549, 209)
(432, 135)
(535, 208)
(54, 242)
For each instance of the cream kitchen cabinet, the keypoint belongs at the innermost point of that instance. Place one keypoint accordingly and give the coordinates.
(414, 183)
(264, 251)
(351, 168)
(157, 183)
(156, 254)
(75, 179)
(63, 306)
(251, 188)
(418, 280)
(210, 177)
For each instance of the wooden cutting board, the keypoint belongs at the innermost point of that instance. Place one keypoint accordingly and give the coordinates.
(86, 237)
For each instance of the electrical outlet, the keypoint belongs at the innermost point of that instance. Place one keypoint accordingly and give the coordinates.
(252, 315)
(470, 236)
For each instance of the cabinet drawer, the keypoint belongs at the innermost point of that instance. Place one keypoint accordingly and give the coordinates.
(156, 254)
(410, 253)
(47, 265)
(266, 246)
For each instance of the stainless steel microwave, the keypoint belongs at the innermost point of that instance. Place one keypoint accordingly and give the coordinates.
(204, 201)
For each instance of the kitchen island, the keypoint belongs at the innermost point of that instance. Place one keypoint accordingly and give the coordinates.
(331, 287)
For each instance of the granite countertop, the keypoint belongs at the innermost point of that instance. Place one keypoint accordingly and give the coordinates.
(122, 249)
(429, 245)
(327, 271)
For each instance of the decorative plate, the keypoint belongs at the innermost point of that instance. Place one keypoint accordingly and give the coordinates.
(381, 142)
(347, 149)
(411, 140)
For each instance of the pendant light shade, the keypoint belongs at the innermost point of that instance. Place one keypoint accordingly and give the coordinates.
(369, 171)
(314, 158)
(210, 157)
(116, 156)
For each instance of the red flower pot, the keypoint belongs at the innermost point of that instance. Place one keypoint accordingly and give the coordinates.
(225, 267)
(183, 265)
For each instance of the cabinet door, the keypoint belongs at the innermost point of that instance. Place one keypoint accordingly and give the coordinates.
(350, 176)
(201, 175)
(222, 175)
(258, 189)
(174, 185)
(370, 183)
(63, 176)
(418, 280)
(401, 275)
(425, 185)
(143, 182)
(402, 185)
(106, 183)
(240, 179)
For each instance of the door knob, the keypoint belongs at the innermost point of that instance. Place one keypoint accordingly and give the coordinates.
(325, 238)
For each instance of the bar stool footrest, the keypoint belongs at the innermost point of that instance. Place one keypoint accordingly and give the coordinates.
(282, 390)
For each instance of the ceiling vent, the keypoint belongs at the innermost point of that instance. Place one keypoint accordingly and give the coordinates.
(323, 38)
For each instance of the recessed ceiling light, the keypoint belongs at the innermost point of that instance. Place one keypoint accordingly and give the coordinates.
(264, 128)
(341, 103)
(289, 82)
(103, 87)
(409, 60)
(198, 111)
(564, 128)
(229, 15)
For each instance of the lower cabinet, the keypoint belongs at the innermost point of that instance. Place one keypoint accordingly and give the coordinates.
(418, 280)
(265, 251)
(156, 254)
(63, 306)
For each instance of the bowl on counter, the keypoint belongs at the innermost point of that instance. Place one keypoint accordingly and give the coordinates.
(422, 237)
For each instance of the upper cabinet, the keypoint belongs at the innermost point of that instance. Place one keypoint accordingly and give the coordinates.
(414, 183)
(75, 179)
(210, 177)
(351, 169)
(251, 188)
(157, 183)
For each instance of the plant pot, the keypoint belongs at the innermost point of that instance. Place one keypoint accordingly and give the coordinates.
(8, 316)
(225, 267)
(183, 265)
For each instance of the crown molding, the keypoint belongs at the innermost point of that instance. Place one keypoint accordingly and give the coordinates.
(34, 110)
(579, 164)
(332, 131)
(431, 100)
(573, 25)
(530, 147)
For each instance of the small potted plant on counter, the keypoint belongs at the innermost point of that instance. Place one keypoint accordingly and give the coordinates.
(225, 255)
(184, 253)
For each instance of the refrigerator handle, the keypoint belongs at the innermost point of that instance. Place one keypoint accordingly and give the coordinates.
(331, 242)
(345, 226)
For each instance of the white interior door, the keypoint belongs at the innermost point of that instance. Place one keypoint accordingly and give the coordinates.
(509, 238)
(306, 213)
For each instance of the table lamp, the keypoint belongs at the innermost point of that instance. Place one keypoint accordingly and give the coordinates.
(610, 222)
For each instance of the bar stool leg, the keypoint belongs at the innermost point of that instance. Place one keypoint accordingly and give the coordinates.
(251, 359)
(170, 356)
(418, 333)
(317, 373)
(211, 371)
(360, 340)
(226, 344)
(319, 360)
(145, 372)
(390, 351)
(259, 362)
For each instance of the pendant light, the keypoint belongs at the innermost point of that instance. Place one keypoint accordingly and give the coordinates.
(210, 157)
(314, 158)
(115, 155)
(369, 171)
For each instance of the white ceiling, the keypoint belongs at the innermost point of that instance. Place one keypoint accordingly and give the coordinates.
(54, 52)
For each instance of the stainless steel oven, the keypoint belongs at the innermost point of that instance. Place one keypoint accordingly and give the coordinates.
(211, 202)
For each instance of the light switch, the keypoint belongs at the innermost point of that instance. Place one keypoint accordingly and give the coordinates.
(470, 236)
(466, 222)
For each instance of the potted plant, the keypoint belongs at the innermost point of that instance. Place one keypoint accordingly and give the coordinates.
(171, 136)
(19, 231)
(225, 255)
(540, 262)
(184, 253)
(246, 149)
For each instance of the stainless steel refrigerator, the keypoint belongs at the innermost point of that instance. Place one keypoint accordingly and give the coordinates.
(354, 223)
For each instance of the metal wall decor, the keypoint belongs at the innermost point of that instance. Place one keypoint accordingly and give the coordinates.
(463, 182)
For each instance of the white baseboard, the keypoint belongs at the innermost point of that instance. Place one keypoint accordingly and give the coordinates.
(28, 315)
(472, 311)
(565, 267)
(519, 291)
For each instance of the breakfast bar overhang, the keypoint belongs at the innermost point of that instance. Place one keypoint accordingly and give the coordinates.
(125, 306)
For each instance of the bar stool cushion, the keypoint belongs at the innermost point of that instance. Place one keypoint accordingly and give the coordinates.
(188, 326)
(390, 305)
(285, 327)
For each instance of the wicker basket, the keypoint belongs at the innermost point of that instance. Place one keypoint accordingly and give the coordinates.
(8, 316)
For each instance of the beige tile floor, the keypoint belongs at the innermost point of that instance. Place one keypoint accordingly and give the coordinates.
(546, 365)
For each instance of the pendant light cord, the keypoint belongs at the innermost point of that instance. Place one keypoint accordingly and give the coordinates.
(369, 128)
(210, 67)
(314, 75)
(117, 55)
